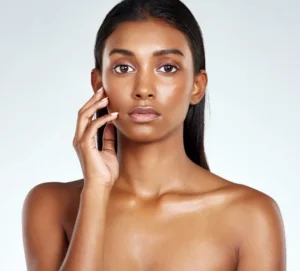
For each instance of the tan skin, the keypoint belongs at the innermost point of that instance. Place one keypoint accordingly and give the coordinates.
(164, 211)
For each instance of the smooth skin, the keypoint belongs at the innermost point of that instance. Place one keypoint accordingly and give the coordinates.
(162, 211)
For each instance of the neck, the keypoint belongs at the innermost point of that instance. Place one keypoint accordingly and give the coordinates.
(150, 169)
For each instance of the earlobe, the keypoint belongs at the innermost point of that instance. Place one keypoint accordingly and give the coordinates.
(96, 80)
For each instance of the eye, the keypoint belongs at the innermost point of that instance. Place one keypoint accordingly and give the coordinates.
(169, 68)
(121, 68)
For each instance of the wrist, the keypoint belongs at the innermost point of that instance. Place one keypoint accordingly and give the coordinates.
(97, 192)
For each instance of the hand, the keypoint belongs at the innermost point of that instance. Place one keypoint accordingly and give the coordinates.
(98, 167)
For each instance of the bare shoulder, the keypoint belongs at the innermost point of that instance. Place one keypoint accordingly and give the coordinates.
(257, 226)
(239, 196)
(53, 199)
(245, 201)
(55, 193)
(43, 213)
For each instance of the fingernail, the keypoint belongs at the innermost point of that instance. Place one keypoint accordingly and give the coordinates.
(99, 90)
(114, 113)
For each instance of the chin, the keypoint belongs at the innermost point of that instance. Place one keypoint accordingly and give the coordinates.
(141, 134)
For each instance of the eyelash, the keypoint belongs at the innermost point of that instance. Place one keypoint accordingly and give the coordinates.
(168, 64)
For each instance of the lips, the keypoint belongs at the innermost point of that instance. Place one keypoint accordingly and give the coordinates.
(144, 110)
(143, 114)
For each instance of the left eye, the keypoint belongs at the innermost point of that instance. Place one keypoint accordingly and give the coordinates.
(169, 68)
(122, 68)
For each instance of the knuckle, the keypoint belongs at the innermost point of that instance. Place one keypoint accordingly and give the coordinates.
(82, 145)
(74, 143)
(109, 140)
(82, 114)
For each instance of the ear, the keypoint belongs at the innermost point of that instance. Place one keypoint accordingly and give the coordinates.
(199, 88)
(96, 80)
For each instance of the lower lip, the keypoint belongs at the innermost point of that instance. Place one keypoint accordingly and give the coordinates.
(142, 118)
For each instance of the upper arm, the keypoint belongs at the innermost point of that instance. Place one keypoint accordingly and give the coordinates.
(262, 240)
(44, 239)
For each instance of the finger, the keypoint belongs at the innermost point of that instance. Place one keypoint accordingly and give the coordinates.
(85, 118)
(97, 96)
(108, 139)
(91, 131)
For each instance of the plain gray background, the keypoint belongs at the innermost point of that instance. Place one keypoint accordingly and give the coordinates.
(252, 128)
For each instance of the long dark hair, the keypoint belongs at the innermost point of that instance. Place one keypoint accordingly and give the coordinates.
(179, 16)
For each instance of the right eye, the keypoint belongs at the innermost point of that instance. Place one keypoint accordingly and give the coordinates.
(121, 68)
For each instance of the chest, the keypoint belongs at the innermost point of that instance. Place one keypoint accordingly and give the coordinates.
(148, 238)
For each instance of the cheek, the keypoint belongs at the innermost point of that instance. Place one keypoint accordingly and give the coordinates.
(108, 82)
(174, 96)
(115, 91)
(175, 100)
(117, 99)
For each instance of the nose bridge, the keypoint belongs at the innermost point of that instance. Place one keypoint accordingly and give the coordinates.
(145, 82)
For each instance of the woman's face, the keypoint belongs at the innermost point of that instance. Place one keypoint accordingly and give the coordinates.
(138, 77)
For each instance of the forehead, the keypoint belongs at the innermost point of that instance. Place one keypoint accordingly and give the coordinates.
(146, 37)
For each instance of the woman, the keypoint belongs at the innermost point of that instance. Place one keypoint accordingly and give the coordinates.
(148, 200)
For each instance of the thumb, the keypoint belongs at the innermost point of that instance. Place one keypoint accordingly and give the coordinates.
(108, 140)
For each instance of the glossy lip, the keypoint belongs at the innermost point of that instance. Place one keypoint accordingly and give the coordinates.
(144, 110)
(143, 114)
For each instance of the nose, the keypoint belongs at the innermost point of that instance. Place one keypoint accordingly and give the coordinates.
(144, 88)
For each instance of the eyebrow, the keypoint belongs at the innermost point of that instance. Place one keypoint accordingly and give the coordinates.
(156, 53)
